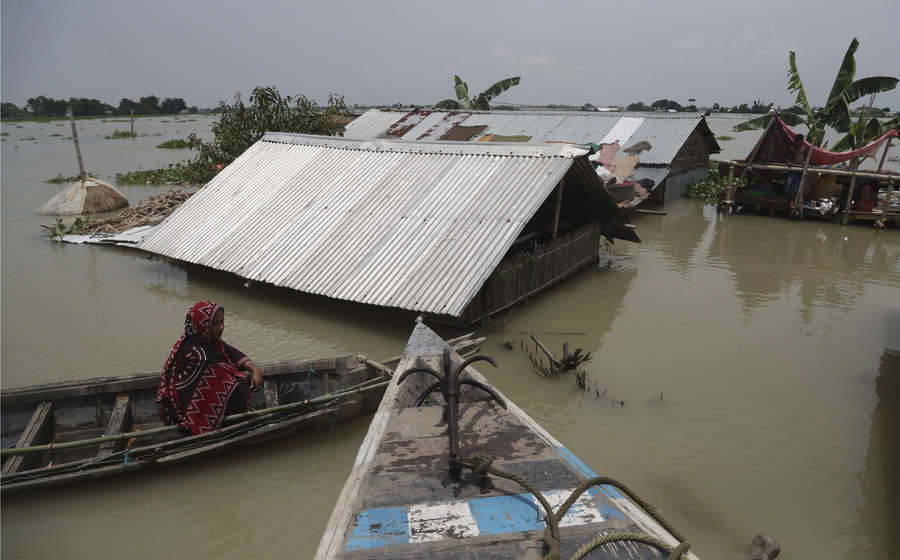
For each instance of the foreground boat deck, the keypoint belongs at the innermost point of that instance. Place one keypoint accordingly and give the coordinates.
(400, 501)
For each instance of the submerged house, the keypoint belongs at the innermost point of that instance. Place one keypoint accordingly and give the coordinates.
(672, 151)
(451, 229)
(826, 185)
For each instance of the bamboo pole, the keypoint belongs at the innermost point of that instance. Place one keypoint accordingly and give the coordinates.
(798, 199)
(559, 195)
(821, 170)
(854, 164)
(174, 428)
(81, 174)
(377, 366)
(132, 122)
(884, 154)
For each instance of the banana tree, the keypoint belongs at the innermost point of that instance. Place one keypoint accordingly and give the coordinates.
(482, 101)
(836, 112)
(863, 131)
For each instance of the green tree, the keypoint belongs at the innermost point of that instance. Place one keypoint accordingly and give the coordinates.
(171, 105)
(482, 101)
(240, 125)
(82, 106)
(126, 106)
(42, 106)
(637, 106)
(148, 105)
(10, 110)
(836, 112)
(665, 105)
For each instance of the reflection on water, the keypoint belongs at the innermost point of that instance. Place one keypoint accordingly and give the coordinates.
(767, 337)
(824, 263)
(876, 533)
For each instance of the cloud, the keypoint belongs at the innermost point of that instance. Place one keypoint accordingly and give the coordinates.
(538, 61)
(688, 43)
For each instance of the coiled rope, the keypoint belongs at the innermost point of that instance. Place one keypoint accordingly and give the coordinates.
(482, 465)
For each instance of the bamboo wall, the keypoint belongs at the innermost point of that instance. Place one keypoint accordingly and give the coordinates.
(524, 274)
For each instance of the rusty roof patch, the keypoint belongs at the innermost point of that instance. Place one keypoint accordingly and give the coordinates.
(463, 133)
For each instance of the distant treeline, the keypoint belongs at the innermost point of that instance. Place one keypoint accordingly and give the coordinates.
(757, 107)
(42, 106)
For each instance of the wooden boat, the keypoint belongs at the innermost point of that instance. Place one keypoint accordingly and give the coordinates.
(416, 491)
(77, 430)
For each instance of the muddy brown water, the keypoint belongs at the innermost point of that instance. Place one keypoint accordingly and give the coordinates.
(774, 344)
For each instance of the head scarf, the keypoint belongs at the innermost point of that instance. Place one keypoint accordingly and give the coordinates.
(199, 318)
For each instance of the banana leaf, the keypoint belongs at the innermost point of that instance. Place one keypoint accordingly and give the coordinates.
(795, 84)
(838, 114)
(756, 123)
(462, 92)
(868, 86)
(845, 75)
(448, 104)
(500, 87)
(481, 103)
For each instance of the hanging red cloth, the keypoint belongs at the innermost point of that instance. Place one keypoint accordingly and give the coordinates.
(823, 157)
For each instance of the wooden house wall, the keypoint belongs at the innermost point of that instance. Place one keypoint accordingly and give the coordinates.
(521, 275)
(694, 153)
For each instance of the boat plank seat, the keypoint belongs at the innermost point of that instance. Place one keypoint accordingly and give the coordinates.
(38, 431)
(119, 422)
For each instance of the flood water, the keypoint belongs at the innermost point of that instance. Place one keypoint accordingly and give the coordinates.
(751, 369)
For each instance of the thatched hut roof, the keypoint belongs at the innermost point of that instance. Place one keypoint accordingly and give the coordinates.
(91, 196)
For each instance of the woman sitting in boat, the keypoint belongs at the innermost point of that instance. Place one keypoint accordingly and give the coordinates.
(202, 382)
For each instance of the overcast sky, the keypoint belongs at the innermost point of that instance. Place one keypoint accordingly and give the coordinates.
(382, 52)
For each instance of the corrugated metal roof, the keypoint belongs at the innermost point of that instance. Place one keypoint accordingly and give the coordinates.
(414, 225)
(666, 133)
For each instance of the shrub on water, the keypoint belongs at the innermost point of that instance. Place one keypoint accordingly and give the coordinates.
(175, 143)
(121, 134)
(708, 190)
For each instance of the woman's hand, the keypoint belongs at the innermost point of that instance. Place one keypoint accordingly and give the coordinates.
(256, 378)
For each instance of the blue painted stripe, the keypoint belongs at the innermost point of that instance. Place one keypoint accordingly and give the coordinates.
(587, 472)
(379, 527)
(497, 515)
(494, 515)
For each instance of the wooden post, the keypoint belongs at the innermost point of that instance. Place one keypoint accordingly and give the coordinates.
(728, 189)
(887, 199)
(559, 193)
(81, 174)
(132, 122)
(884, 154)
(854, 164)
(798, 199)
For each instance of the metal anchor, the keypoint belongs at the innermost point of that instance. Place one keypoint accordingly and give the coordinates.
(449, 384)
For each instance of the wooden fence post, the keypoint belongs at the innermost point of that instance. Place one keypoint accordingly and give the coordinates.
(559, 195)
(728, 189)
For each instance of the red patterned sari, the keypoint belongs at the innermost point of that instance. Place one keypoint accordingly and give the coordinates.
(200, 382)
